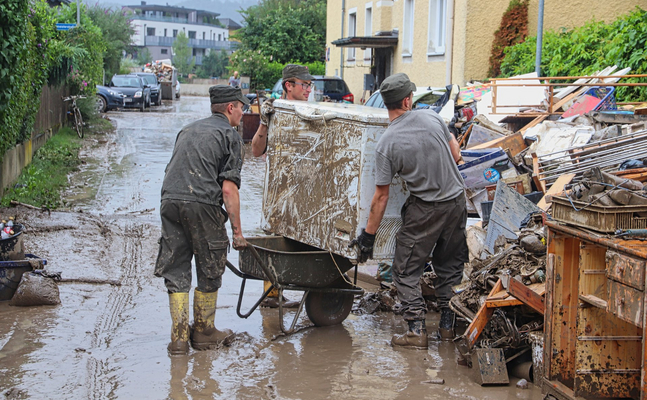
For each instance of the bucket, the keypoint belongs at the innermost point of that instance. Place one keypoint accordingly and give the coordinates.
(11, 273)
(12, 248)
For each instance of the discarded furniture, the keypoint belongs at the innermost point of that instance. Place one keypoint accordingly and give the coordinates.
(595, 316)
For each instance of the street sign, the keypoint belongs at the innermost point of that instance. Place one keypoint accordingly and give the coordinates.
(65, 27)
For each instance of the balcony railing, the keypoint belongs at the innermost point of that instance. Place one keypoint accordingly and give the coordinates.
(193, 43)
(179, 20)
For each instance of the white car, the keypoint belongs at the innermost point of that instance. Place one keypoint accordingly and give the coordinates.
(177, 89)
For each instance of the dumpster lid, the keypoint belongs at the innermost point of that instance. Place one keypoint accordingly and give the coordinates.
(316, 110)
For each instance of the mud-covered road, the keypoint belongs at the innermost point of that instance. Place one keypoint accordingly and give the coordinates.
(109, 341)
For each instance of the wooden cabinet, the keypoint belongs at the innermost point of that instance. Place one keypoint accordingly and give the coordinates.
(595, 314)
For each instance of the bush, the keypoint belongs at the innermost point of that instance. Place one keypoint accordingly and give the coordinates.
(587, 49)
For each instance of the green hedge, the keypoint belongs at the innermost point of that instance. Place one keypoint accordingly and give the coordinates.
(587, 49)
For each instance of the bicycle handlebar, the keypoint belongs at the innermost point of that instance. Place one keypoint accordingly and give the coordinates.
(73, 98)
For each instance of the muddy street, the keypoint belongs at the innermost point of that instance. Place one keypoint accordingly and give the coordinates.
(108, 341)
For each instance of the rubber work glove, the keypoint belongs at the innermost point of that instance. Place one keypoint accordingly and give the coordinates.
(267, 109)
(365, 243)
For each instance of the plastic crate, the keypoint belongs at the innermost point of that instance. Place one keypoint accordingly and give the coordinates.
(606, 93)
(599, 218)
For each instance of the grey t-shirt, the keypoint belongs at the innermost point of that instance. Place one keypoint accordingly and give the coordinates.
(416, 147)
(206, 153)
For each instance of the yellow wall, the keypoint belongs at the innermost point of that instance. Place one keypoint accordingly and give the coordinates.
(474, 24)
(482, 19)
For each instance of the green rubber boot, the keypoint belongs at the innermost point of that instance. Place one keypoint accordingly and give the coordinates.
(179, 306)
(204, 334)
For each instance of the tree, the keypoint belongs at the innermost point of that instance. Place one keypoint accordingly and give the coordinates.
(214, 64)
(285, 30)
(117, 33)
(182, 57)
(144, 56)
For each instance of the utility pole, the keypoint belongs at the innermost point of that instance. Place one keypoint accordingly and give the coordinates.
(540, 37)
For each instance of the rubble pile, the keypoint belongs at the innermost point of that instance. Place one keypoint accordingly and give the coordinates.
(162, 68)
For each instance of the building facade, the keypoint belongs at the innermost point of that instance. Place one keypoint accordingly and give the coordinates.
(435, 42)
(156, 28)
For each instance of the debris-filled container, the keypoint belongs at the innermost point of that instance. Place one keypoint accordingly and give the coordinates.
(599, 218)
(11, 273)
(320, 176)
(13, 248)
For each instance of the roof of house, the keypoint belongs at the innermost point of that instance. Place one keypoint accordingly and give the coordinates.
(230, 23)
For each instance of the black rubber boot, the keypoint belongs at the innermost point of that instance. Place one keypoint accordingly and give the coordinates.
(415, 338)
(446, 325)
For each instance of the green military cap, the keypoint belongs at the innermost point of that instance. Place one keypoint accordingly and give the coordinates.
(225, 94)
(296, 71)
(396, 87)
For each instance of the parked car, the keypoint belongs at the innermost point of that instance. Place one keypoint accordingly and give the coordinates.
(109, 99)
(332, 86)
(137, 93)
(156, 90)
(423, 96)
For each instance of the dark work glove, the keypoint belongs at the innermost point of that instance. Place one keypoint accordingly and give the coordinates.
(365, 243)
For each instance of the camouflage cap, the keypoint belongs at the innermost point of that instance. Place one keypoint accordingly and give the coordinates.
(296, 71)
(225, 94)
(396, 87)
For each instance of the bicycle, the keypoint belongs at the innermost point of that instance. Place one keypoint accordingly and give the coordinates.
(78, 119)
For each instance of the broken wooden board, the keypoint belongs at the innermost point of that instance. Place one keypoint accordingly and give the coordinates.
(555, 189)
(513, 143)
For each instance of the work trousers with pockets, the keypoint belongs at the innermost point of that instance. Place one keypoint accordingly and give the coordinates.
(427, 226)
(189, 230)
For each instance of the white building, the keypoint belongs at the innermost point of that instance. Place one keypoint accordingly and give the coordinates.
(157, 26)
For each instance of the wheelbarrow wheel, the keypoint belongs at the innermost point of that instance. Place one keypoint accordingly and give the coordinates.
(325, 309)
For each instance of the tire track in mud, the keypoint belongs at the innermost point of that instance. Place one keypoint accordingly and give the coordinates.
(99, 384)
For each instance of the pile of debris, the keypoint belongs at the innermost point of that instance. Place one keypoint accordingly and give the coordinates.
(163, 69)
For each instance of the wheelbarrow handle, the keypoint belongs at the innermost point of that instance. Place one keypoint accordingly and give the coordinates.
(269, 271)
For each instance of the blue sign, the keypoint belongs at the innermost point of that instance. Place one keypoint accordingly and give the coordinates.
(65, 27)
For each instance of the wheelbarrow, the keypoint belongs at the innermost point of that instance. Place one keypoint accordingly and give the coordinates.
(291, 265)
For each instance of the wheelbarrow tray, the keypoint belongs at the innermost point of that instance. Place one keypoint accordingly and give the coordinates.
(295, 263)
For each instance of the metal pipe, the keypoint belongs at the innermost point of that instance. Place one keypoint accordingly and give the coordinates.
(605, 162)
(450, 43)
(573, 77)
(341, 48)
(523, 370)
(540, 37)
(564, 160)
(605, 141)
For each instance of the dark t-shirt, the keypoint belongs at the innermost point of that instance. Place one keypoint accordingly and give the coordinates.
(206, 153)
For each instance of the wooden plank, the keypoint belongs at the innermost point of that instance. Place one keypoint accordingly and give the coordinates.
(548, 316)
(481, 319)
(626, 302)
(593, 300)
(534, 123)
(592, 258)
(536, 176)
(643, 375)
(514, 143)
(524, 294)
(556, 188)
(509, 301)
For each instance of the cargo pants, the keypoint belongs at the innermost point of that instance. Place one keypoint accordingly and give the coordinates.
(189, 230)
(427, 226)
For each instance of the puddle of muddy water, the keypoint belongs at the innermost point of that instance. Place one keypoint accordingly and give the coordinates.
(109, 342)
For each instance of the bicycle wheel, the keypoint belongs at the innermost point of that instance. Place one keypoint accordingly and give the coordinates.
(78, 122)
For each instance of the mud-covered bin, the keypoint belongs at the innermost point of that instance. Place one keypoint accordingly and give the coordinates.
(13, 248)
(320, 176)
(11, 273)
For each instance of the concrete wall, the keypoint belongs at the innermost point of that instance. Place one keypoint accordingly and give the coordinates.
(200, 87)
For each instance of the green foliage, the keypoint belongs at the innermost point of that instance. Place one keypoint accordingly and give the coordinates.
(116, 32)
(285, 30)
(213, 64)
(183, 58)
(41, 183)
(126, 66)
(144, 56)
(513, 29)
(587, 49)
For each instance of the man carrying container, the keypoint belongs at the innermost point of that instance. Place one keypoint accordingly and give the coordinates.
(297, 84)
(420, 149)
(202, 176)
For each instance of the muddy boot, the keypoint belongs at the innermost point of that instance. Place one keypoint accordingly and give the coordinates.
(415, 338)
(446, 325)
(204, 335)
(179, 305)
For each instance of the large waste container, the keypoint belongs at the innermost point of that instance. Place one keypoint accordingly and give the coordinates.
(320, 176)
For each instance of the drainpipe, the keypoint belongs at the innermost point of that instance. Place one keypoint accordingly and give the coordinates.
(540, 37)
(449, 49)
(341, 60)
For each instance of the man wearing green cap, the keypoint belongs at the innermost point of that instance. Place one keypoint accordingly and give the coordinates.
(297, 84)
(202, 176)
(419, 148)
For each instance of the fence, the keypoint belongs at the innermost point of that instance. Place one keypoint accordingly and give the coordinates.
(51, 116)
